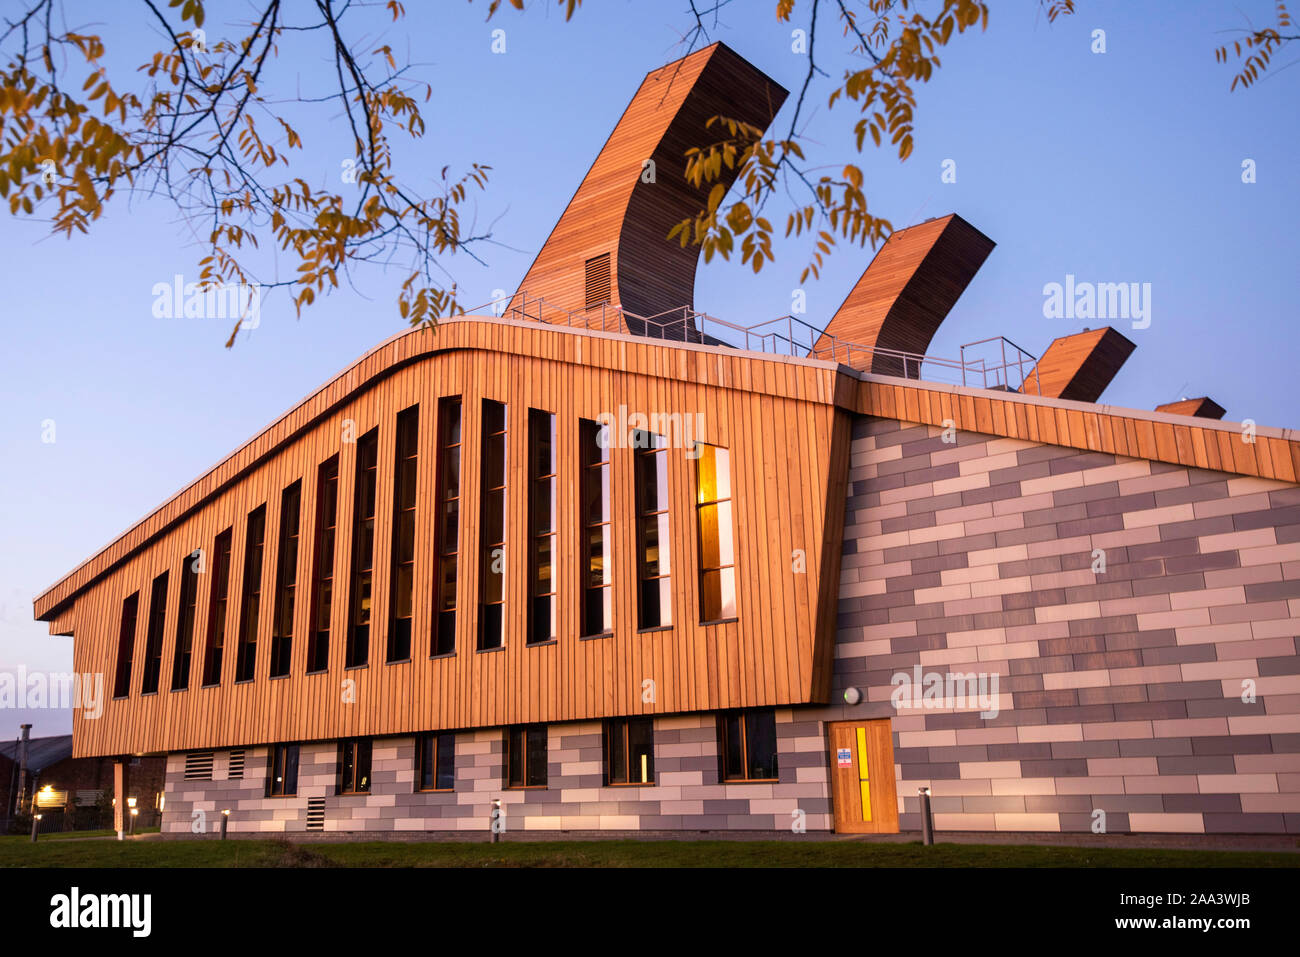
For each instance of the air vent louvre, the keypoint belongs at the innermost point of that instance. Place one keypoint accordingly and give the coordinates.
(236, 764)
(597, 280)
(316, 814)
(198, 766)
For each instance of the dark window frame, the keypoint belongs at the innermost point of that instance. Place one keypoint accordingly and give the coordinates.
(431, 744)
(743, 719)
(280, 766)
(616, 741)
(449, 479)
(518, 739)
(543, 538)
(155, 630)
(356, 754)
(324, 556)
(492, 611)
(250, 604)
(218, 610)
(406, 484)
(186, 623)
(286, 580)
(129, 625)
(595, 475)
(361, 590)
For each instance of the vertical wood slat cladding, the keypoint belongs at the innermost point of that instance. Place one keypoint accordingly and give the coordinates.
(1079, 367)
(908, 289)
(615, 213)
(763, 658)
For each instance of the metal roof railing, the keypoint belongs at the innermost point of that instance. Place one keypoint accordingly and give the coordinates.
(786, 336)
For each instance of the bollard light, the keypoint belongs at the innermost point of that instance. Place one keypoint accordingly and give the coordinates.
(225, 821)
(927, 822)
(36, 820)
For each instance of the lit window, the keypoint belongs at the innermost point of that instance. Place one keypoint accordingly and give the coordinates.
(594, 509)
(654, 564)
(717, 543)
(354, 766)
(629, 751)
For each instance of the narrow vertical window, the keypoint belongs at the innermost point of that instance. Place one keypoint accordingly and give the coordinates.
(354, 766)
(717, 541)
(283, 779)
(363, 551)
(251, 606)
(447, 532)
(154, 635)
(322, 600)
(286, 580)
(402, 579)
(654, 565)
(629, 751)
(217, 610)
(492, 529)
(593, 491)
(435, 762)
(126, 647)
(185, 623)
(541, 526)
(526, 756)
(748, 747)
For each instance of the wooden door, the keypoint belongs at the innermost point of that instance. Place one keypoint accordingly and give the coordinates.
(862, 777)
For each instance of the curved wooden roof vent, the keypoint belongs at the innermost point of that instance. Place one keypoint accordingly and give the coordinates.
(1202, 408)
(911, 285)
(635, 192)
(1079, 366)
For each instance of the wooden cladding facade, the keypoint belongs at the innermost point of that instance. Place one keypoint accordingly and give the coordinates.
(776, 652)
(1079, 367)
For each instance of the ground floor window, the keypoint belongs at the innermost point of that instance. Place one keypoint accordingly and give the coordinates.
(526, 756)
(283, 780)
(435, 762)
(629, 751)
(354, 766)
(747, 745)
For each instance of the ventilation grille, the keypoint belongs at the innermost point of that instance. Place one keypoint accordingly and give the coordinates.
(315, 814)
(236, 764)
(198, 766)
(597, 280)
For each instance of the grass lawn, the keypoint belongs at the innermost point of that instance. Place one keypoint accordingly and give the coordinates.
(20, 852)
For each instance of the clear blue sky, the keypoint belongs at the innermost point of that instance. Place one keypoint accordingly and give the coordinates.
(1116, 167)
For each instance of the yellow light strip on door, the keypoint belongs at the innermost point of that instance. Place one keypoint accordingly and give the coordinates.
(864, 774)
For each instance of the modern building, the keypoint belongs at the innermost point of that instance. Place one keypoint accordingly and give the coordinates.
(597, 561)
